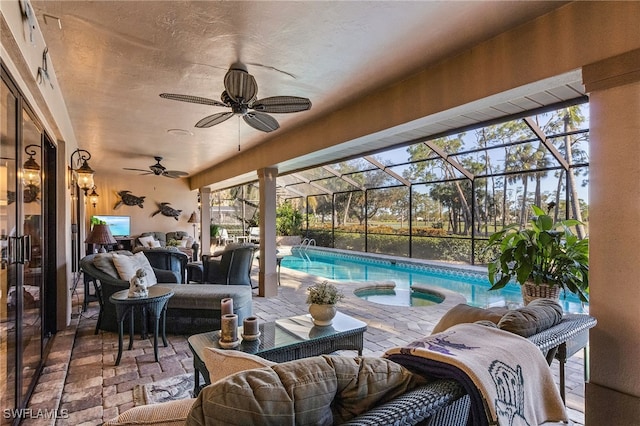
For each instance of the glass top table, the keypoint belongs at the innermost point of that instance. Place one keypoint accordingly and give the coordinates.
(155, 303)
(285, 340)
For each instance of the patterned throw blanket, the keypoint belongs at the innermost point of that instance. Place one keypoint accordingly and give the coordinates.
(505, 375)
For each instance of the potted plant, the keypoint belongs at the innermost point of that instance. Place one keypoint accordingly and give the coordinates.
(322, 299)
(545, 256)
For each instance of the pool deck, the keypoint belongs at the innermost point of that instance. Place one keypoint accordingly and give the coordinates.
(80, 376)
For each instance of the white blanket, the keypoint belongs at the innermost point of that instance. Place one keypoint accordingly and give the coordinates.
(506, 376)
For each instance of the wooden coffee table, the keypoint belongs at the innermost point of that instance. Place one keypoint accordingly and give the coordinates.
(285, 340)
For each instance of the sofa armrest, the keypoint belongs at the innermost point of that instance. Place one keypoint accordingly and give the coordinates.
(439, 397)
(165, 276)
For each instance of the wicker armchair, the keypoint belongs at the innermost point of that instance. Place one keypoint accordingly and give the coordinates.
(233, 267)
(167, 259)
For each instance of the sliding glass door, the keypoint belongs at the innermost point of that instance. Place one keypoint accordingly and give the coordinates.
(8, 270)
(22, 203)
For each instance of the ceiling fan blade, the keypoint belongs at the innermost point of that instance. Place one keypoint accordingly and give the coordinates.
(175, 174)
(282, 104)
(214, 119)
(136, 170)
(192, 99)
(240, 86)
(261, 121)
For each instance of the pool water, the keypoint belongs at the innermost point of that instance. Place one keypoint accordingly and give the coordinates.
(473, 285)
(398, 297)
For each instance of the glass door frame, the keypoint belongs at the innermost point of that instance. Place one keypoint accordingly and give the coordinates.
(45, 278)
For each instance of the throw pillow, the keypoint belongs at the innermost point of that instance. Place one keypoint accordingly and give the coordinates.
(104, 262)
(321, 390)
(296, 392)
(537, 316)
(155, 244)
(221, 363)
(367, 382)
(147, 241)
(465, 314)
(183, 242)
(128, 265)
(171, 413)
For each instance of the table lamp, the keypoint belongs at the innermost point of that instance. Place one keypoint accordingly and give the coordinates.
(101, 235)
(194, 219)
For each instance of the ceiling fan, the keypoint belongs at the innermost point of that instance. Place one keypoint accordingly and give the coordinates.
(240, 95)
(160, 170)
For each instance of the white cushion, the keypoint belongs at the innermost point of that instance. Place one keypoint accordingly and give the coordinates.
(128, 265)
(222, 363)
(147, 241)
(155, 244)
(183, 243)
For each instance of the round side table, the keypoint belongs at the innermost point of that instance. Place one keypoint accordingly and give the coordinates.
(155, 303)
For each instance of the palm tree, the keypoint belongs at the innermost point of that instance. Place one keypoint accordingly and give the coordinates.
(571, 117)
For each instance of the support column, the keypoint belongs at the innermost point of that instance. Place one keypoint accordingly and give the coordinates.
(268, 284)
(205, 221)
(613, 393)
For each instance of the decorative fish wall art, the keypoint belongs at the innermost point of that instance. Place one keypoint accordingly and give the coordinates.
(167, 211)
(128, 199)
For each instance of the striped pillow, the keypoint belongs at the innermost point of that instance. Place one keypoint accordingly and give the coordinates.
(171, 413)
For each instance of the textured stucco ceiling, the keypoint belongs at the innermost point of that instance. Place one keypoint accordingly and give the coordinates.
(113, 59)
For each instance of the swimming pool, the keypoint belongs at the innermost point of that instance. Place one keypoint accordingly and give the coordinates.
(472, 283)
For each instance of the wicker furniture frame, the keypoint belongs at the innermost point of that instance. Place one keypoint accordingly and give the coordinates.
(286, 340)
(155, 304)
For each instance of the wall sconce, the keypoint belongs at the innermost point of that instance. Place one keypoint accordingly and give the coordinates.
(31, 168)
(31, 175)
(83, 175)
(93, 197)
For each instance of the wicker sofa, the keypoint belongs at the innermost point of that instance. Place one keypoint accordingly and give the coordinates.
(439, 402)
(163, 238)
(194, 308)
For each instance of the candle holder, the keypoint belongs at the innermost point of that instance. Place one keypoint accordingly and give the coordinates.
(250, 330)
(229, 331)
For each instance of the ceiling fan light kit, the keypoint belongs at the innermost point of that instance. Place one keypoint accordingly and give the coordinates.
(240, 95)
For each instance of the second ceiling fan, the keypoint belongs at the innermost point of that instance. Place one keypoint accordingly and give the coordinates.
(240, 95)
(160, 170)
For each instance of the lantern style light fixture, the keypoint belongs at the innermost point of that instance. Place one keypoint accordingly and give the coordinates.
(83, 175)
(93, 197)
(31, 168)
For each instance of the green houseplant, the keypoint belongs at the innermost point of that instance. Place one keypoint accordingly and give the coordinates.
(322, 299)
(546, 255)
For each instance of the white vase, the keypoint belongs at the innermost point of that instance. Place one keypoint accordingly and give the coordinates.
(322, 315)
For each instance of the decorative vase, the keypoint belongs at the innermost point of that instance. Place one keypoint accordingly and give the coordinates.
(322, 315)
(531, 291)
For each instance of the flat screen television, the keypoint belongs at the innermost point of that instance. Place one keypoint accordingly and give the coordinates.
(120, 226)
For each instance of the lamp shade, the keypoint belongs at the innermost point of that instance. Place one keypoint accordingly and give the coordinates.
(100, 234)
(193, 218)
